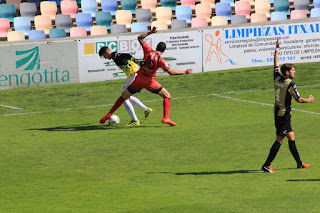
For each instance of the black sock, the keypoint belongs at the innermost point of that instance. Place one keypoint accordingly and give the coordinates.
(273, 152)
(294, 152)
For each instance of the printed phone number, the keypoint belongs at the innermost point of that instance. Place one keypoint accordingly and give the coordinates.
(288, 58)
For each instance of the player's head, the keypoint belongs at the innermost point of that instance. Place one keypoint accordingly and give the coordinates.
(288, 70)
(105, 52)
(161, 47)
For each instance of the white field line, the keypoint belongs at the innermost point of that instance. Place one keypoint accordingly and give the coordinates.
(220, 95)
(11, 107)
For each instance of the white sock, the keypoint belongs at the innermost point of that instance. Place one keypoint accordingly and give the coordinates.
(135, 101)
(127, 104)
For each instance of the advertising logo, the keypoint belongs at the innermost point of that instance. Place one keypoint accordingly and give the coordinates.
(30, 60)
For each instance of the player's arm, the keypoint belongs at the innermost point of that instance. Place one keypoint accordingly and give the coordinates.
(310, 99)
(142, 36)
(175, 72)
(276, 54)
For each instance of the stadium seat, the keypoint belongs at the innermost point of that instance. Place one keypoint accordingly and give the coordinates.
(262, 6)
(89, 6)
(57, 33)
(43, 23)
(98, 30)
(160, 25)
(22, 24)
(69, 8)
(315, 13)
(169, 3)
(129, 5)
(84, 20)
(37, 35)
(4, 27)
(15, 36)
(78, 32)
(7, 11)
(238, 19)
(302, 5)
(139, 27)
(204, 11)
(184, 13)
(37, 2)
(250, 1)
(243, 8)
(124, 17)
(282, 6)
(118, 29)
(316, 3)
(63, 22)
(258, 17)
(211, 2)
(149, 4)
(104, 19)
(298, 14)
(223, 9)
(199, 22)
(231, 2)
(109, 6)
(144, 15)
(219, 21)
(278, 16)
(164, 14)
(191, 3)
(16, 3)
(179, 24)
(49, 8)
(28, 10)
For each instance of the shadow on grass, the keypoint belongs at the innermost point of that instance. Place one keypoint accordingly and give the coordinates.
(297, 180)
(210, 173)
(87, 127)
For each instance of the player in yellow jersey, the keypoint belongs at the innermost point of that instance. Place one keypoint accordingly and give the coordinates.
(128, 64)
(285, 89)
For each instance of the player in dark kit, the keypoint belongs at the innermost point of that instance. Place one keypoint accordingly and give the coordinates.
(145, 78)
(285, 89)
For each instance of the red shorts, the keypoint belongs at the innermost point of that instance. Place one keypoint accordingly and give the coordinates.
(144, 82)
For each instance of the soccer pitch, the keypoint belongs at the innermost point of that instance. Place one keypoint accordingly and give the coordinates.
(56, 157)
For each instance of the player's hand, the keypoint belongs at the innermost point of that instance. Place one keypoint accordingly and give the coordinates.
(311, 98)
(153, 30)
(278, 45)
(188, 71)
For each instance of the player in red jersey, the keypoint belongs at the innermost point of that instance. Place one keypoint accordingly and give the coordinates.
(145, 78)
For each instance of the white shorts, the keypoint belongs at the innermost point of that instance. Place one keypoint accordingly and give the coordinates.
(128, 82)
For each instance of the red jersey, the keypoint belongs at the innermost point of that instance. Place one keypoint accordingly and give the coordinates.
(153, 61)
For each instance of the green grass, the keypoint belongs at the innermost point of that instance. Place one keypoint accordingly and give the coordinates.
(64, 161)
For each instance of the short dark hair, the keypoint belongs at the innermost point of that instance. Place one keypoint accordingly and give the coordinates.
(102, 50)
(286, 67)
(161, 47)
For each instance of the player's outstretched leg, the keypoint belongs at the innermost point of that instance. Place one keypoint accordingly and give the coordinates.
(135, 101)
(116, 105)
(166, 111)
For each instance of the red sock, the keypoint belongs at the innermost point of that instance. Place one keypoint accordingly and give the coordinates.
(116, 105)
(166, 107)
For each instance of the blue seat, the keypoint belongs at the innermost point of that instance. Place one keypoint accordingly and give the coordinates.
(109, 6)
(223, 9)
(278, 16)
(129, 5)
(184, 12)
(57, 1)
(22, 24)
(37, 34)
(84, 20)
(169, 3)
(37, 2)
(315, 13)
(104, 19)
(231, 2)
(282, 6)
(89, 6)
(7, 11)
(139, 27)
(57, 33)
(316, 3)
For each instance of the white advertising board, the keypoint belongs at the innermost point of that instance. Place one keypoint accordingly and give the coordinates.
(38, 64)
(252, 46)
(183, 51)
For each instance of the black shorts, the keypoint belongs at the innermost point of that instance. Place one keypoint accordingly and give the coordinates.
(283, 125)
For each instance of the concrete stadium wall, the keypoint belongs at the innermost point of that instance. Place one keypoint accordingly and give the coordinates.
(75, 60)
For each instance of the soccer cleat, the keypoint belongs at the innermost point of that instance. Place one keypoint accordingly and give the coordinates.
(168, 121)
(105, 118)
(133, 123)
(147, 112)
(267, 169)
(303, 166)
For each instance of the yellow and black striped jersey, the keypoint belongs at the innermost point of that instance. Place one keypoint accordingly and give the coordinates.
(285, 89)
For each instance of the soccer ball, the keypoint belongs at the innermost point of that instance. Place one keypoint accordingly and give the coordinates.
(114, 120)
